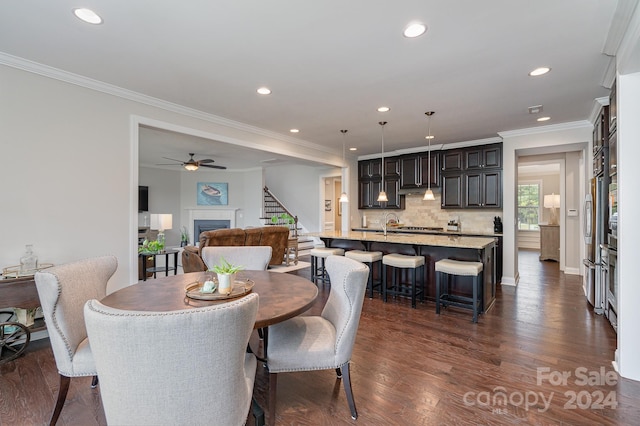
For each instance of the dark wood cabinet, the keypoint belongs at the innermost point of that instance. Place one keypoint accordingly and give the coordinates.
(468, 177)
(369, 169)
(601, 130)
(452, 160)
(613, 108)
(392, 167)
(487, 156)
(472, 177)
(483, 189)
(451, 191)
(613, 154)
(414, 171)
(370, 183)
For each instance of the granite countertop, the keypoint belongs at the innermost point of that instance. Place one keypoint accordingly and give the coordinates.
(456, 241)
(442, 231)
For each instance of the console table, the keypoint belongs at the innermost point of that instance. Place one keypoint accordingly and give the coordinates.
(154, 268)
(550, 242)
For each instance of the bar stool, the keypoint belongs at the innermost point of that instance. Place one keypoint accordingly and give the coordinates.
(445, 268)
(398, 262)
(371, 258)
(318, 272)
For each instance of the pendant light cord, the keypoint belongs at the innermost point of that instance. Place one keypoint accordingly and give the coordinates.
(382, 123)
(429, 114)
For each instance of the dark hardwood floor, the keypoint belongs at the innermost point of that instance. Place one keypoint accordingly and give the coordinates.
(413, 367)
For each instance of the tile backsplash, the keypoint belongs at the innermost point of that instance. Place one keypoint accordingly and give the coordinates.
(418, 212)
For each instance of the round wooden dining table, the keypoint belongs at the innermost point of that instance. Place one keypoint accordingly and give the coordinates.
(282, 296)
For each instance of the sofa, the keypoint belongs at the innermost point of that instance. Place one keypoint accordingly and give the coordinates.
(275, 236)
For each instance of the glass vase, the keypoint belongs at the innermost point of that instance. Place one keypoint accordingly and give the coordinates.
(29, 261)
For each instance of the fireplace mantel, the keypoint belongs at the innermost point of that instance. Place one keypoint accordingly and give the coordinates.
(209, 214)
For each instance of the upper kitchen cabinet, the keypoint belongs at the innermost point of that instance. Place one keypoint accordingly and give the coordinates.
(451, 191)
(613, 108)
(486, 156)
(452, 160)
(370, 182)
(483, 189)
(472, 178)
(370, 169)
(414, 171)
(601, 130)
(392, 167)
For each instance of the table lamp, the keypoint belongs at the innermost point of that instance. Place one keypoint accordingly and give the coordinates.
(552, 202)
(161, 222)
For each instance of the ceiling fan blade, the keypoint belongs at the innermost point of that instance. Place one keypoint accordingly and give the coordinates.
(213, 167)
(173, 159)
(169, 164)
(206, 160)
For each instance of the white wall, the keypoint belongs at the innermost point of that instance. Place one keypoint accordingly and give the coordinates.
(628, 354)
(70, 165)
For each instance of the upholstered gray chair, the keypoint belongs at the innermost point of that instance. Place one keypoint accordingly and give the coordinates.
(322, 342)
(187, 367)
(254, 258)
(63, 291)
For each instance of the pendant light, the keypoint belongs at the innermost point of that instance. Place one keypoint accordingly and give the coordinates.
(428, 194)
(383, 195)
(343, 196)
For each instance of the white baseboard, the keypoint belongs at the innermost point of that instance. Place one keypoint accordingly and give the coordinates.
(572, 271)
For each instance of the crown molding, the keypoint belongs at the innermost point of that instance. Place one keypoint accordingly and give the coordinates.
(572, 125)
(597, 106)
(99, 86)
(619, 24)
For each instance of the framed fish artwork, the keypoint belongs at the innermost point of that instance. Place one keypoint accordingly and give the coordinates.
(212, 194)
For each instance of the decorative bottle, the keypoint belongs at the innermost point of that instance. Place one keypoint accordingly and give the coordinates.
(29, 261)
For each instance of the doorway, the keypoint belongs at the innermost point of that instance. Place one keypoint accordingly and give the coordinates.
(541, 178)
(331, 214)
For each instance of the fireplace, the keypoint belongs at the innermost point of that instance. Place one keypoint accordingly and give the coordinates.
(202, 225)
(208, 219)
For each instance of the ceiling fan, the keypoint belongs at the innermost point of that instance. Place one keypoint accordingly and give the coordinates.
(193, 165)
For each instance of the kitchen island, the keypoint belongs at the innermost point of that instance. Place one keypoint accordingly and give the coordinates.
(424, 230)
(433, 248)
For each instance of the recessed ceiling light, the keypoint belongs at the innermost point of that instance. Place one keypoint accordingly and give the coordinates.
(294, 130)
(544, 118)
(539, 71)
(87, 15)
(353, 149)
(264, 91)
(415, 29)
(384, 109)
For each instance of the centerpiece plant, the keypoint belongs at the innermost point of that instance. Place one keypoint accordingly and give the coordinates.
(226, 275)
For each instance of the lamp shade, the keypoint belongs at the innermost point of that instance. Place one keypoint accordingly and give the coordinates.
(552, 201)
(162, 221)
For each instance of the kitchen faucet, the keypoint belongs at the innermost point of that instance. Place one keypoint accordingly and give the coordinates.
(386, 219)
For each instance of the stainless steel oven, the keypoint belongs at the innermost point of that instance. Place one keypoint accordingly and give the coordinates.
(609, 260)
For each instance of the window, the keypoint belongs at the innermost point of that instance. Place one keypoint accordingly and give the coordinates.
(528, 206)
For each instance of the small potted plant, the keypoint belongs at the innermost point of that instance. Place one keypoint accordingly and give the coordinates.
(151, 247)
(226, 275)
(184, 237)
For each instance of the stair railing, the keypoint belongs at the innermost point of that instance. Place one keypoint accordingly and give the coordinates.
(275, 213)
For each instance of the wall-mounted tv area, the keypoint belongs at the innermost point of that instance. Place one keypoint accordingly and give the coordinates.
(143, 198)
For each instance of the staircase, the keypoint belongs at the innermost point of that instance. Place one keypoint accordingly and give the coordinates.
(275, 213)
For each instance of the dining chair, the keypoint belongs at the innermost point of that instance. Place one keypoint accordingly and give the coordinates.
(306, 343)
(253, 258)
(186, 367)
(63, 290)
